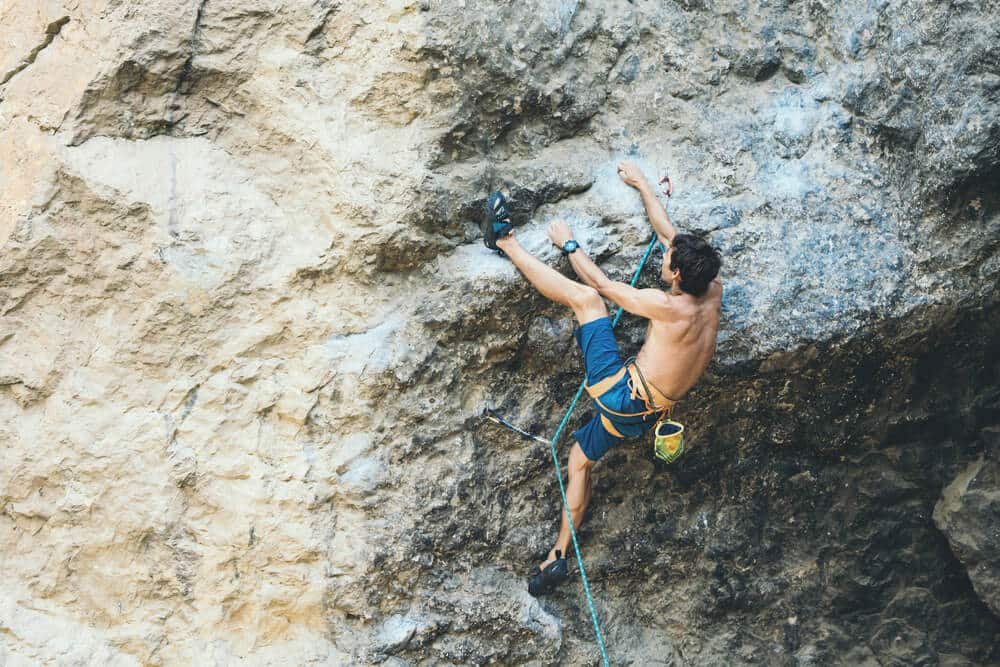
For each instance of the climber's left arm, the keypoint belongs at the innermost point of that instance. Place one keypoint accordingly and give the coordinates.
(648, 303)
(652, 304)
(591, 274)
(587, 270)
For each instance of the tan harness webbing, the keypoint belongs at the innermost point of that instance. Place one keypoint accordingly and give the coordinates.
(655, 399)
(610, 427)
(601, 387)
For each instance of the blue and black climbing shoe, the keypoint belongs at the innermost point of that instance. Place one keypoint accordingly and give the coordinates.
(496, 224)
(543, 581)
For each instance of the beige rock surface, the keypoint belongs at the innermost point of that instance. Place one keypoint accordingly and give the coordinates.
(247, 323)
(163, 337)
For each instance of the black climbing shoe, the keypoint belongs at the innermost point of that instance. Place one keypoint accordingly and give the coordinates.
(543, 581)
(496, 223)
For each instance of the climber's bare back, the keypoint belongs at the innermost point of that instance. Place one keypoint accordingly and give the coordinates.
(680, 344)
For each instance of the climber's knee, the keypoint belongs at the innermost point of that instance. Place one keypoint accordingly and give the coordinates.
(587, 304)
(578, 461)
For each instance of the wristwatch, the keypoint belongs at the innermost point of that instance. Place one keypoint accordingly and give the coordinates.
(570, 246)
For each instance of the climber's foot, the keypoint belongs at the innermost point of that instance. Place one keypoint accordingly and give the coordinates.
(552, 557)
(496, 222)
(505, 242)
(549, 575)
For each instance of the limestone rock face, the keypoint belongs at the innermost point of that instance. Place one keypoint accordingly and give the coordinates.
(969, 514)
(247, 328)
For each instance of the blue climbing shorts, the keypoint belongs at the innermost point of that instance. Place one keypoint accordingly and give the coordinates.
(602, 359)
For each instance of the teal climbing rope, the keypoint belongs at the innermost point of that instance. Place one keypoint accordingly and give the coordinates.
(562, 489)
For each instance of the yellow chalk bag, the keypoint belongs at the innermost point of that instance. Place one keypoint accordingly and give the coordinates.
(668, 445)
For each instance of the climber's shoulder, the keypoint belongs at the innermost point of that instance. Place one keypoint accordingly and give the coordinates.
(715, 290)
(684, 305)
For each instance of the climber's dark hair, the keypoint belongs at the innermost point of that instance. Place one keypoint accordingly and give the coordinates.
(697, 261)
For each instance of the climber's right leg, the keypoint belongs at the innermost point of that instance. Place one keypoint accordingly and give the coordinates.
(498, 234)
(586, 303)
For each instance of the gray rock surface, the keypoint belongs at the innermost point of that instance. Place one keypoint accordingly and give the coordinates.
(968, 513)
(248, 327)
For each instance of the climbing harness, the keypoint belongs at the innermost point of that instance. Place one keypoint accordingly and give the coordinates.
(612, 419)
(668, 439)
(490, 414)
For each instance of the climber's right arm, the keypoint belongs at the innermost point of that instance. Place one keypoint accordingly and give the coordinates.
(658, 218)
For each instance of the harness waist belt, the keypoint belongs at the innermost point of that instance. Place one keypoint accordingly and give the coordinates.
(602, 387)
(655, 402)
(658, 400)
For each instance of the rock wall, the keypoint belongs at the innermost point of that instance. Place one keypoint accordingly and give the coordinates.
(248, 328)
(967, 513)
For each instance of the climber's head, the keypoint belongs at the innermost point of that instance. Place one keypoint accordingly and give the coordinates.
(693, 262)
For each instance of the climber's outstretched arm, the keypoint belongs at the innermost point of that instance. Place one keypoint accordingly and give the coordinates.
(586, 270)
(649, 303)
(653, 304)
(632, 175)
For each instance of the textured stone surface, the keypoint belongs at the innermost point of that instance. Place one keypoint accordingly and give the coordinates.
(248, 326)
(969, 514)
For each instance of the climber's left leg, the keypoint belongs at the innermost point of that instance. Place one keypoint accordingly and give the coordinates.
(578, 491)
(579, 488)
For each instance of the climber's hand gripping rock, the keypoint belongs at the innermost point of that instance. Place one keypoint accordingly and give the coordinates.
(559, 233)
(631, 174)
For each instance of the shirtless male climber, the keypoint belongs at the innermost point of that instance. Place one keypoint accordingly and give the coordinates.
(679, 342)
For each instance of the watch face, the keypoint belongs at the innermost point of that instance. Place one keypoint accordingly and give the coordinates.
(570, 246)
